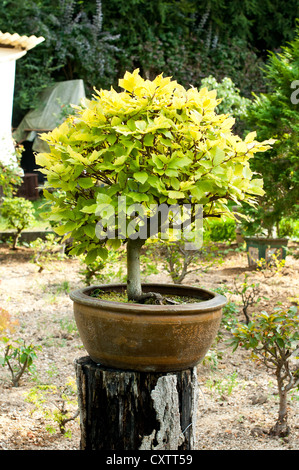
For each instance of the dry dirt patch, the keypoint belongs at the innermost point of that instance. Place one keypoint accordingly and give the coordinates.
(237, 399)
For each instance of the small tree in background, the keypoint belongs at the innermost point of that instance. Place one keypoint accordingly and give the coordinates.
(179, 261)
(18, 357)
(18, 214)
(249, 293)
(274, 340)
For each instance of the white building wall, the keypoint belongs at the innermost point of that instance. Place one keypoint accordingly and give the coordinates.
(7, 81)
(13, 47)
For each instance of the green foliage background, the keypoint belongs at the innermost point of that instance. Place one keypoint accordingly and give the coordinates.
(189, 40)
(276, 113)
(227, 45)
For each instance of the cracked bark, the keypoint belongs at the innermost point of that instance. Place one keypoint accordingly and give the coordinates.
(128, 410)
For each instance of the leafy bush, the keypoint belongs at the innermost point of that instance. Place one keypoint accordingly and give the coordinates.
(61, 409)
(220, 230)
(274, 339)
(18, 357)
(154, 143)
(232, 102)
(18, 214)
(10, 171)
(289, 228)
(276, 113)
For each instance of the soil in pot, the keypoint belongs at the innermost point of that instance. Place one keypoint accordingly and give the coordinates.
(121, 296)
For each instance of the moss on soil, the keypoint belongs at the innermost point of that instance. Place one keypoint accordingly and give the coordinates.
(121, 296)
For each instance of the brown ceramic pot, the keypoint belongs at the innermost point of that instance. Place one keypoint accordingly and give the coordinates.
(153, 338)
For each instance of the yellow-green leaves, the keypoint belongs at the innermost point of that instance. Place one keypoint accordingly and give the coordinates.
(153, 142)
(85, 182)
(43, 159)
(131, 82)
(217, 156)
(141, 176)
(256, 187)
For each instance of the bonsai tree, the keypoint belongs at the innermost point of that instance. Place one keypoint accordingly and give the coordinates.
(276, 114)
(123, 167)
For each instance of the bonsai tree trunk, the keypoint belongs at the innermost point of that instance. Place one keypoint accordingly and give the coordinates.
(134, 288)
(154, 225)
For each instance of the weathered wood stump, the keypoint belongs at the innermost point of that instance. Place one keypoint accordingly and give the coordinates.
(128, 410)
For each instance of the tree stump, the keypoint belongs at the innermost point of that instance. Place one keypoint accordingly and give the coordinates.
(128, 410)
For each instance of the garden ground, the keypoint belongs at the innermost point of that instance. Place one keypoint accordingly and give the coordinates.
(238, 403)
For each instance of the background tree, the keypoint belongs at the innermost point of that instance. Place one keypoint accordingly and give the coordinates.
(189, 40)
(75, 47)
(277, 114)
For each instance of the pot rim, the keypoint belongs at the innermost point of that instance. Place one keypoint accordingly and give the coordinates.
(266, 239)
(215, 302)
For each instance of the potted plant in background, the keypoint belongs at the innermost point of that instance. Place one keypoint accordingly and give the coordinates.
(276, 114)
(125, 168)
(259, 227)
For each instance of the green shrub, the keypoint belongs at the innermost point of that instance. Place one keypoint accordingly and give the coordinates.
(289, 228)
(61, 409)
(220, 230)
(18, 214)
(276, 113)
(274, 339)
(18, 357)
(153, 144)
(10, 174)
